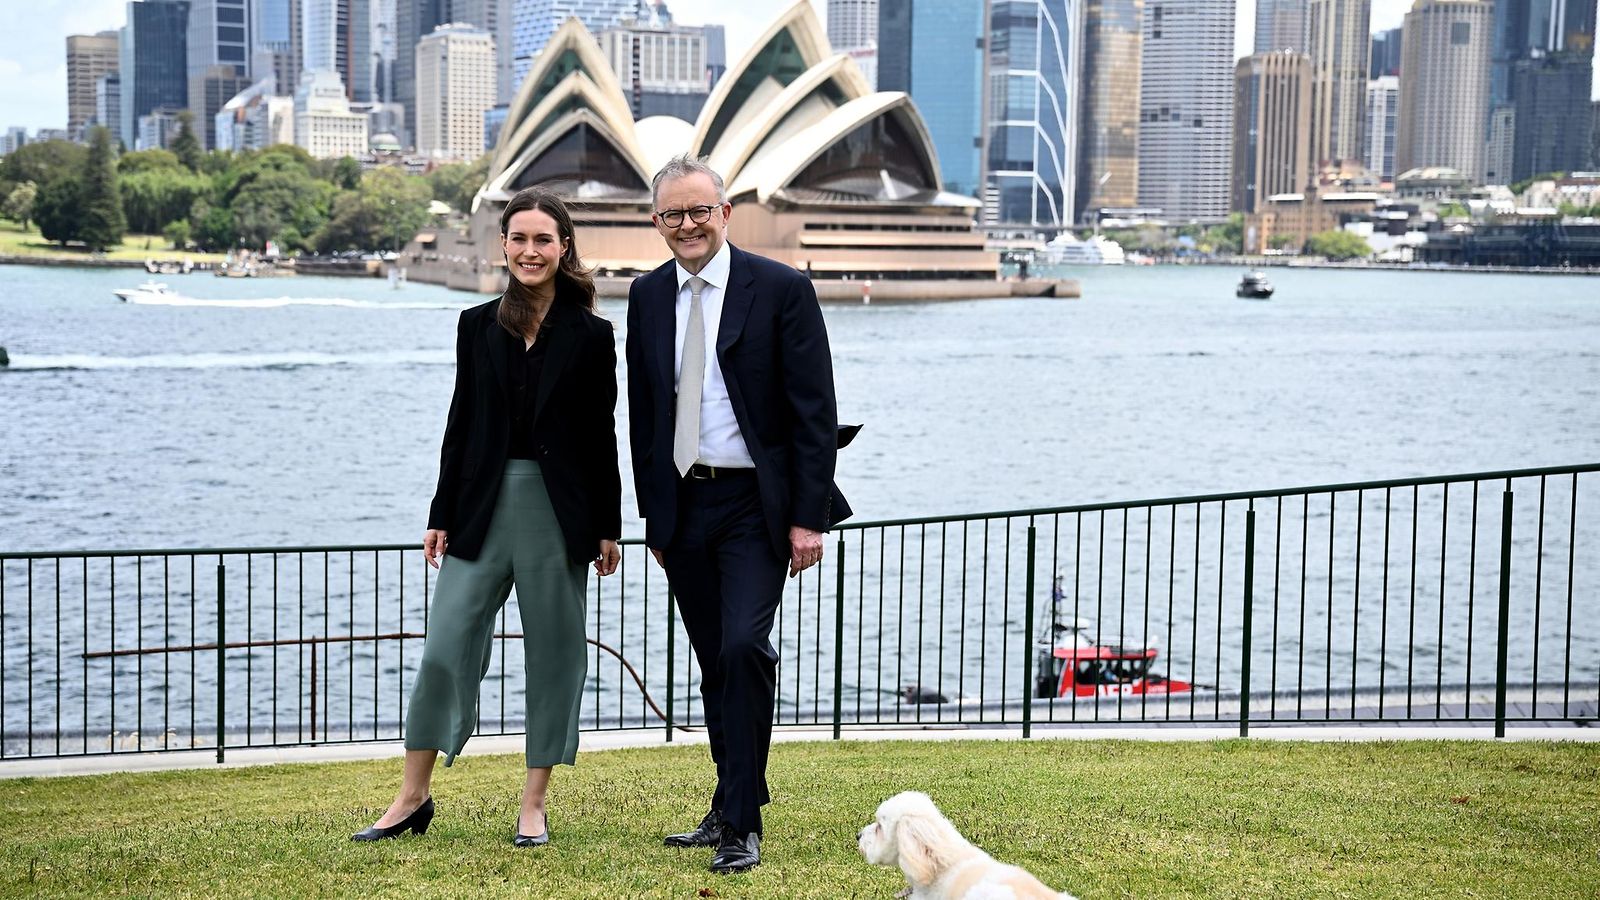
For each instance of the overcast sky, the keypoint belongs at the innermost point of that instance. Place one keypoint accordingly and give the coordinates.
(33, 51)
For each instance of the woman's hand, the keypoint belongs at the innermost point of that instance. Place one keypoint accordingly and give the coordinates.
(434, 543)
(606, 562)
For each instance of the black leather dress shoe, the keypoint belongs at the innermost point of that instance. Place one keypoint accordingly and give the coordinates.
(736, 852)
(417, 821)
(706, 835)
(539, 840)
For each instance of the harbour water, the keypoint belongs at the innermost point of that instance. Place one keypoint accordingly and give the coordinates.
(308, 411)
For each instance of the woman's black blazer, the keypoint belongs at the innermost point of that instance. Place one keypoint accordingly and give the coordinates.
(574, 430)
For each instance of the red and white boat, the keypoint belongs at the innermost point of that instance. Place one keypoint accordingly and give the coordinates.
(1072, 663)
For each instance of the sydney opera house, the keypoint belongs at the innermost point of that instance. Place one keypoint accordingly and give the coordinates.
(824, 173)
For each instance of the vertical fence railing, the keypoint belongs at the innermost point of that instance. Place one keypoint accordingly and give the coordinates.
(1356, 603)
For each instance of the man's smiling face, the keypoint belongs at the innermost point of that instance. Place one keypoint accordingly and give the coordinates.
(692, 243)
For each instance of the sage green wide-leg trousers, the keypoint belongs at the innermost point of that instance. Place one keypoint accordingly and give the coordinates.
(524, 547)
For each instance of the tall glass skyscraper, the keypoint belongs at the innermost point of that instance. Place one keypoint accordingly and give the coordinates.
(1543, 72)
(1031, 122)
(154, 56)
(1108, 129)
(932, 52)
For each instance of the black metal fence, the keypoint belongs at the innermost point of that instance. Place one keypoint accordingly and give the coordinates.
(1455, 599)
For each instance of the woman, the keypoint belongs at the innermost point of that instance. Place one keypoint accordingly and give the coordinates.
(529, 493)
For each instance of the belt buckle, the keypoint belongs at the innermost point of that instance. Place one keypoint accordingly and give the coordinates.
(702, 472)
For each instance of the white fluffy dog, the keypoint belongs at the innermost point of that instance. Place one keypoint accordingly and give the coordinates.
(939, 863)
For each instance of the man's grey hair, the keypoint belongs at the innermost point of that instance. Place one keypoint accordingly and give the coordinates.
(681, 166)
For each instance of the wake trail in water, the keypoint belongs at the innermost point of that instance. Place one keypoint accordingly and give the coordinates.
(293, 360)
(278, 302)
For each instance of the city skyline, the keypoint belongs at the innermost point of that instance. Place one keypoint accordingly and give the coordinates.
(33, 76)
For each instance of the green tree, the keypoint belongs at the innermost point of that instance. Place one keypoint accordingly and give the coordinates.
(57, 210)
(19, 203)
(43, 162)
(1280, 241)
(177, 233)
(154, 197)
(346, 174)
(146, 161)
(185, 146)
(1338, 244)
(102, 224)
(281, 205)
(1453, 210)
(211, 226)
(455, 184)
(386, 212)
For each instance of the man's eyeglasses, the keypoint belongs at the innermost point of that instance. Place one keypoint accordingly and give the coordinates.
(672, 218)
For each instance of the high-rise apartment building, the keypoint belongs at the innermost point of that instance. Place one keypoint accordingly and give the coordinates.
(108, 105)
(1339, 42)
(664, 68)
(853, 29)
(1108, 120)
(90, 57)
(324, 126)
(1444, 86)
(1500, 149)
(1280, 25)
(1271, 127)
(1032, 115)
(1383, 108)
(1186, 108)
(1385, 54)
(936, 56)
(153, 59)
(455, 86)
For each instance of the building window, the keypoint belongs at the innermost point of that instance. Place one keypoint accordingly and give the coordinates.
(1460, 33)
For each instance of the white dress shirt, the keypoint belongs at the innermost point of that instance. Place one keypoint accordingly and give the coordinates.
(721, 443)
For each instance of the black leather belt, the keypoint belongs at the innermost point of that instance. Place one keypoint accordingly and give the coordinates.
(702, 472)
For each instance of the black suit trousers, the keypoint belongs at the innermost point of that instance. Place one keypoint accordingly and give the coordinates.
(728, 581)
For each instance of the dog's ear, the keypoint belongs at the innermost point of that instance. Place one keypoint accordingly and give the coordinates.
(919, 842)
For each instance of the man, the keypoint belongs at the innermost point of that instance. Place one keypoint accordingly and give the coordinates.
(733, 427)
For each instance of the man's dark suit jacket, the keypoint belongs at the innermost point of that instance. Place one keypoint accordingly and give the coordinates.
(773, 349)
(574, 430)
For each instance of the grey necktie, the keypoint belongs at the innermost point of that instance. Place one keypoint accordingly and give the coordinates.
(691, 375)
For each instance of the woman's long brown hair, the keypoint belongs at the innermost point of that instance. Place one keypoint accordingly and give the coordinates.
(574, 283)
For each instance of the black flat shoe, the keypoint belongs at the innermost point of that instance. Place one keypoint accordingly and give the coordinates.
(704, 835)
(417, 821)
(518, 839)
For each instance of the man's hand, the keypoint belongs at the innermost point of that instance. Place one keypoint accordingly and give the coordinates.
(434, 541)
(606, 562)
(805, 549)
(660, 560)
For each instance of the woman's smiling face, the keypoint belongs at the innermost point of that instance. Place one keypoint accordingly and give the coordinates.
(533, 248)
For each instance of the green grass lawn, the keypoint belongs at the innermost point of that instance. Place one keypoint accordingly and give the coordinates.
(1099, 818)
(14, 241)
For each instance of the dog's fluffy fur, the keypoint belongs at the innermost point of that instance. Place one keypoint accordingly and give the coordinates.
(938, 862)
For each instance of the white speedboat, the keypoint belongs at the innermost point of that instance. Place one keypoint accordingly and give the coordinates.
(1066, 250)
(150, 290)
